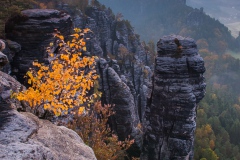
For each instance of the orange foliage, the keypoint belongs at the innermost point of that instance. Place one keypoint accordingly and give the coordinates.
(202, 44)
(93, 129)
(205, 142)
(123, 52)
(204, 135)
(212, 144)
(222, 46)
(42, 6)
(237, 107)
(64, 83)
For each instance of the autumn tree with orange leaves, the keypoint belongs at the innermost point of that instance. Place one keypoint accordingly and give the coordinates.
(94, 131)
(65, 82)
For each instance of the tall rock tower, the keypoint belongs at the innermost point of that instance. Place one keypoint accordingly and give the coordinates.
(178, 86)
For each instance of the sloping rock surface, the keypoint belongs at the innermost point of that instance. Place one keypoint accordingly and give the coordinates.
(171, 114)
(8, 85)
(25, 136)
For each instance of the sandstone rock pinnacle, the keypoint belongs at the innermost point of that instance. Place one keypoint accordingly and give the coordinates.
(178, 86)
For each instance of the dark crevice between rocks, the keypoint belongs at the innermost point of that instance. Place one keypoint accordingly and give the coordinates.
(133, 80)
(110, 95)
(139, 83)
(140, 110)
(35, 131)
(149, 100)
(172, 126)
(114, 36)
(103, 100)
(104, 48)
(111, 120)
(5, 113)
(189, 68)
(161, 145)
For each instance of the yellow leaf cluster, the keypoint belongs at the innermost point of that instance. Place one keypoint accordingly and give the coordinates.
(65, 83)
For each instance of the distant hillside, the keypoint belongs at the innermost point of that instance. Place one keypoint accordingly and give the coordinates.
(227, 12)
(155, 18)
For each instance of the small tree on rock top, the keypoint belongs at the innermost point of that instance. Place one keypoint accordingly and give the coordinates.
(65, 82)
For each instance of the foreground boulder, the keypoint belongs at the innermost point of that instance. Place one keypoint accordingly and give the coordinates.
(177, 87)
(24, 136)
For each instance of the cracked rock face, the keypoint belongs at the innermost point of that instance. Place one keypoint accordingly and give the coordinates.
(119, 91)
(33, 31)
(125, 120)
(115, 39)
(171, 113)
